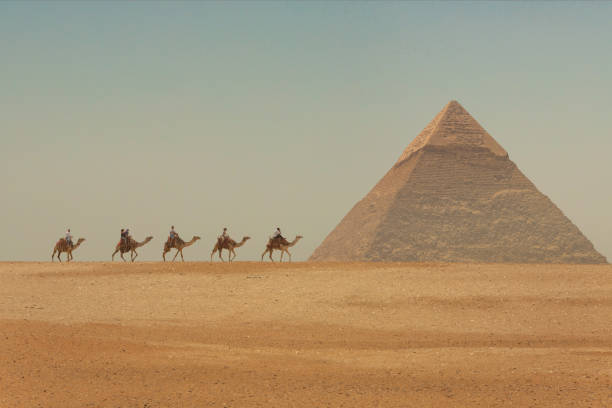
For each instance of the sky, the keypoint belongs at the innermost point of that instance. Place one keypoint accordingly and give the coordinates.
(254, 115)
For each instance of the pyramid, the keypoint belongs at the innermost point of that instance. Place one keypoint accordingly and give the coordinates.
(454, 195)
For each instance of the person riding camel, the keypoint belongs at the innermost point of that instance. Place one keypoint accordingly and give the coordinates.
(68, 238)
(277, 235)
(223, 237)
(125, 233)
(172, 236)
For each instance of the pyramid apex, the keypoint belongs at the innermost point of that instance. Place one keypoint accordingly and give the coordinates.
(453, 105)
(454, 126)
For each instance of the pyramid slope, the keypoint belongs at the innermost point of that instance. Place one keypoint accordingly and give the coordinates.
(354, 236)
(456, 202)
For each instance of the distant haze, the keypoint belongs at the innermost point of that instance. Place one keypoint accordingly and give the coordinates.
(257, 115)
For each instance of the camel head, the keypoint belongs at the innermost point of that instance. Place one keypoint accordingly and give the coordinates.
(147, 239)
(295, 241)
(80, 241)
(195, 238)
(246, 238)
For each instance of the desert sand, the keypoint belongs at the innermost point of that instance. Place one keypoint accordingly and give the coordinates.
(305, 335)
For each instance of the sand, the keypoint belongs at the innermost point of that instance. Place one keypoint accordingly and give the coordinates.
(304, 335)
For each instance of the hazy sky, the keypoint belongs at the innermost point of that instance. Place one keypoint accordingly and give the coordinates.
(256, 115)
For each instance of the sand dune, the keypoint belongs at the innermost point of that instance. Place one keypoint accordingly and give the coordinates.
(304, 335)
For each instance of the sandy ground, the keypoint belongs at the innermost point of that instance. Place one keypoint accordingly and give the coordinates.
(304, 335)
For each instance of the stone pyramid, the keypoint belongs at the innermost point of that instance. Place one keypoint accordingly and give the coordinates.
(455, 196)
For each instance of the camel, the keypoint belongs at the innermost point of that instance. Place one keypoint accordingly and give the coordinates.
(131, 246)
(228, 244)
(62, 246)
(281, 245)
(179, 244)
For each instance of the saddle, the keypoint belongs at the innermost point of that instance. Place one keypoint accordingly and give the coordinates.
(280, 240)
(123, 242)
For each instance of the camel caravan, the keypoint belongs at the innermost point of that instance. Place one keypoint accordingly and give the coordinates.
(127, 244)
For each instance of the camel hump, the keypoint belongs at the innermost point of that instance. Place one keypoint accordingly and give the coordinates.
(279, 241)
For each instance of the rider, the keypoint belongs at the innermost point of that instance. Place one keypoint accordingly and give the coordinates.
(224, 236)
(68, 237)
(124, 235)
(172, 235)
(277, 234)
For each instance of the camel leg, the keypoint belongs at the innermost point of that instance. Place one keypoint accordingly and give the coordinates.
(135, 254)
(283, 251)
(179, 251)
(234, 253)
(113, 257)
(221, 255)
(281, 257)
(121, 253)
(53, 255)
(215, 249)
(58, 256)
(269, 252)
(164, 254)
